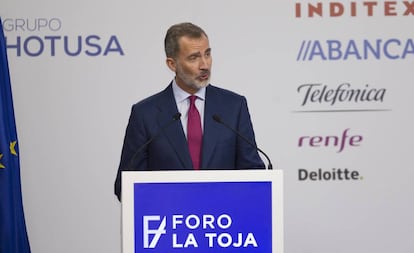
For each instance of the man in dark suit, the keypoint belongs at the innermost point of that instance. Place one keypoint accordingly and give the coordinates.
(167, 118)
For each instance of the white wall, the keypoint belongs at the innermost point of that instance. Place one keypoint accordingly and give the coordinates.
(71, 113)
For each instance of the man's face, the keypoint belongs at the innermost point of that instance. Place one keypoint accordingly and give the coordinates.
(192, 64)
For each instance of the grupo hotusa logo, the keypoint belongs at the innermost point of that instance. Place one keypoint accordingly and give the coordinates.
(205, 217)
(335, 9)
(34, 37)
(356, 49)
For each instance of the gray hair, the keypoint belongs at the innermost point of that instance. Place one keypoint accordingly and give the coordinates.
(177, 31)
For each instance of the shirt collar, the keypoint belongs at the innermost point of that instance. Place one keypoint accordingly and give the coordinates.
(181, 95)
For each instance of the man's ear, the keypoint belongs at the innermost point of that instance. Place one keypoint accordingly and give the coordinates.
(171, 64)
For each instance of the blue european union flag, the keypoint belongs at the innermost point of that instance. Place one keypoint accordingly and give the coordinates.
(13, 234)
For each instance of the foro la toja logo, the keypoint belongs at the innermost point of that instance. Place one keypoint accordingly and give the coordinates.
(215, 232)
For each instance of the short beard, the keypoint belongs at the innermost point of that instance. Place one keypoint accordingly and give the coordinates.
(199, 85)
(192, 83)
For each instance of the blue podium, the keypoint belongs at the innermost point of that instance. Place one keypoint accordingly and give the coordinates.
(224, 211)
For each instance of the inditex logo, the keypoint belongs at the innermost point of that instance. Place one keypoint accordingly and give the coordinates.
(217, 232)
(46, 37)
(312, 9)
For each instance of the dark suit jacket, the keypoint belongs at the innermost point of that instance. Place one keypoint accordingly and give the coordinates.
(221, 149)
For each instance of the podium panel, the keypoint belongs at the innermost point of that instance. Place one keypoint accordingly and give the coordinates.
(202, 211)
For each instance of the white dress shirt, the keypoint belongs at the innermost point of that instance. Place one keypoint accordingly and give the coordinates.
(183, 104)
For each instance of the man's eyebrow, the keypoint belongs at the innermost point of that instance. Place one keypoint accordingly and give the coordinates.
(198, 54)
(195, 54)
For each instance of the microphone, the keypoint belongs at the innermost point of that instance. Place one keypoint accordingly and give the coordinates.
(117, 185)
(175, 117)
(218, 120)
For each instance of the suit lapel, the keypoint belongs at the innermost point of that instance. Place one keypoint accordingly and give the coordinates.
(174, 133)
(211, 128)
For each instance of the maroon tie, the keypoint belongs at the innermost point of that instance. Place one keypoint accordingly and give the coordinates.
(194, 133)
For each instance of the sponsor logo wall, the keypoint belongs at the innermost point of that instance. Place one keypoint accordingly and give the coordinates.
(329, 88)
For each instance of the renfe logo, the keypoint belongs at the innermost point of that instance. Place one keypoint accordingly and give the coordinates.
(339, 142)
(226, 217)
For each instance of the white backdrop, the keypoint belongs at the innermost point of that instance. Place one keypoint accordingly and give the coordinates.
(72, 110)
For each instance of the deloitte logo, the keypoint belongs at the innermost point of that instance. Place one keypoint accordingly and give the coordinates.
(329, 175)
(46, 37)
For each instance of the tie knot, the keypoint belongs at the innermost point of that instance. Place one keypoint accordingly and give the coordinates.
(192, 99)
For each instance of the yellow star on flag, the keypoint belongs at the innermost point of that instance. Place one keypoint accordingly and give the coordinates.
(1, 165)
(12, 148)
